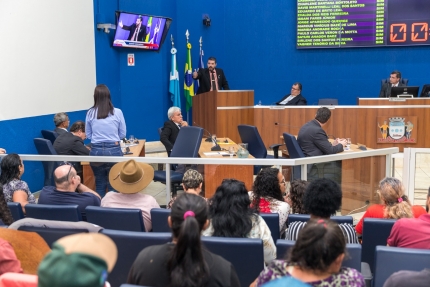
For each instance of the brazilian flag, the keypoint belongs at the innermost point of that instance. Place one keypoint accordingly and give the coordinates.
(188, 80)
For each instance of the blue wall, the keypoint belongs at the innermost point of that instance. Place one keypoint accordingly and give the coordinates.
(254, 43)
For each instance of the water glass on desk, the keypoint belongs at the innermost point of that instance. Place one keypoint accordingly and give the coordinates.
(131, 139)
(231, 151)
(348, 143)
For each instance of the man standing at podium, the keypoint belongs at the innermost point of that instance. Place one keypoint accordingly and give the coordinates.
(394, 82)
(211, 78)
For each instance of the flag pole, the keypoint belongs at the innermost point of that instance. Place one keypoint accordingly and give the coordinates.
(187, 35)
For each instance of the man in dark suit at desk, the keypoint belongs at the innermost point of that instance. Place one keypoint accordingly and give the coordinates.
(61, 121)
(171, 128)
(211, 78)
(395, 77)
(137, 30)
(295, 98)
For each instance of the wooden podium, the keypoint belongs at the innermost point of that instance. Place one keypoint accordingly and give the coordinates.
(220, 112)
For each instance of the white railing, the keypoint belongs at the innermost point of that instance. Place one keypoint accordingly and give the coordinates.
(409, 170)
(303, 162)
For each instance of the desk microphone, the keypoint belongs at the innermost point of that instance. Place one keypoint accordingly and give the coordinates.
(367, 204)
(216, 147)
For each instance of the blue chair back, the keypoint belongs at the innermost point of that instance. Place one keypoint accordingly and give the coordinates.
(294, 151)
(306, 217)
(251, 136)
(159, 220)
(236, 250)
(392, 259)
(50, 235)
(272, 221)
(353, 260)
(375, 232)
(188, 142)
(49, 135)
(129, 245)
(404, 81)
(127, 219)
(328, 102)
(44, 147)
(16, 210)
(425, 92)
(53, 212)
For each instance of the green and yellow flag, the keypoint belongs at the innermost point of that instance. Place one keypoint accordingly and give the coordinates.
(188, 80)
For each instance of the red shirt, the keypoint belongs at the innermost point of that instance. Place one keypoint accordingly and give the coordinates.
(377, 211)
(411, 233)
(8, 260)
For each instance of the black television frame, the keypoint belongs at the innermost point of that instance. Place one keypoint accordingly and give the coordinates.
(397, 92)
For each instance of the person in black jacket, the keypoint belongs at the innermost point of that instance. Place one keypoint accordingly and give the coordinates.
(137, 30)
(395, 78)
(171, 128)
(295, 98)
(211, 78)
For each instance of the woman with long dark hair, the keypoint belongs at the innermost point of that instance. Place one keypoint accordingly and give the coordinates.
(15, 189)
(295, 196)
(5, 214)
(267, 195)
(184, 262)
(231, 216)
(315, 259)
(105, 127)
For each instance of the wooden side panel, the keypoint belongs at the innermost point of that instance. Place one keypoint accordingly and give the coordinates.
(204, 111)
(214, 175)
(387, 102)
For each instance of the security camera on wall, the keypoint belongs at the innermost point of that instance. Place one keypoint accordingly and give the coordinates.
(206, 20)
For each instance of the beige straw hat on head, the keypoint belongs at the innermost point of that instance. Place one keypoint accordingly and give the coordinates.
(131, 176)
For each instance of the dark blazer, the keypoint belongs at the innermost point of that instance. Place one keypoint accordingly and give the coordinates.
(168, 135)
(140, 35)
(60, 131)
(313, 140)
(298, 100)
(205, 80)
(386, 89)
(69, 144)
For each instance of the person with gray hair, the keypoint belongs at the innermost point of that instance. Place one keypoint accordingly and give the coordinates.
(192, 183)
(61, 121)
(171, 128)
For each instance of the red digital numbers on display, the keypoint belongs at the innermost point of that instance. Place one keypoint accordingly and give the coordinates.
(416, 29)
(394, 36)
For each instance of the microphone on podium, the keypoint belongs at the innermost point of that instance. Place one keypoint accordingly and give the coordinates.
(216, 147)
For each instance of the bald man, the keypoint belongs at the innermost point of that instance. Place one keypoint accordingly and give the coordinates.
(69, 190)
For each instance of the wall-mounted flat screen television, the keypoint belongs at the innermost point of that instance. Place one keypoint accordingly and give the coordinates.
(140, 31)
(362, 23)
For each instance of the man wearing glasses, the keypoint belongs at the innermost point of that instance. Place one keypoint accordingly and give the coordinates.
(69, 190)
(295, 98)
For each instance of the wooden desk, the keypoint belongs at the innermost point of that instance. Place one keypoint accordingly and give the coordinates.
(214, 174)
(87, 172)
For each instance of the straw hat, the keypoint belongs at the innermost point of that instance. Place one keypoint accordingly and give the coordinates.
(130, 176)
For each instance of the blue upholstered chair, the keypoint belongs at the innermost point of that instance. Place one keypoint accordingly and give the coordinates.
(392, 259)
(294, 151)
(328, 102)
(272, 221)
(306, 217)
(44, 147)
(127, 219)
(425, 92)
(375, 232)
(159, 220)
(16, 210)
(53, 212)
(129, 245)
(187, 144)
(353, 260)
(50, 235)
(49, 135)
(251, 136)
(236, 250)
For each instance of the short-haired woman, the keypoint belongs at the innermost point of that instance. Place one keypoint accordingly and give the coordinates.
(192, 183)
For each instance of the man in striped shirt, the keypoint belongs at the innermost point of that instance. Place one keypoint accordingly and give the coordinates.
(321, 200)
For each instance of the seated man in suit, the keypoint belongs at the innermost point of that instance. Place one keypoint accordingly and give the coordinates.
(313, 141)
(395, 77)
(61, 121)
(73, 143)
(171, 128)
(211, 78)
(295, 98)
(69, 190)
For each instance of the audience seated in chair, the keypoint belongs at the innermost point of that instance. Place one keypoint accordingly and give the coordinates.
(15, 189)
(232, 216)
(322, 199)
(295, 196)
(394, 203)
(183, 262)
(8, 260)
(268, 195)
(82, 260)
(412, 232)
(69, 190)
(316, 258)
(192, 183)
(171, 128)
(409, 278)
(130, 178)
